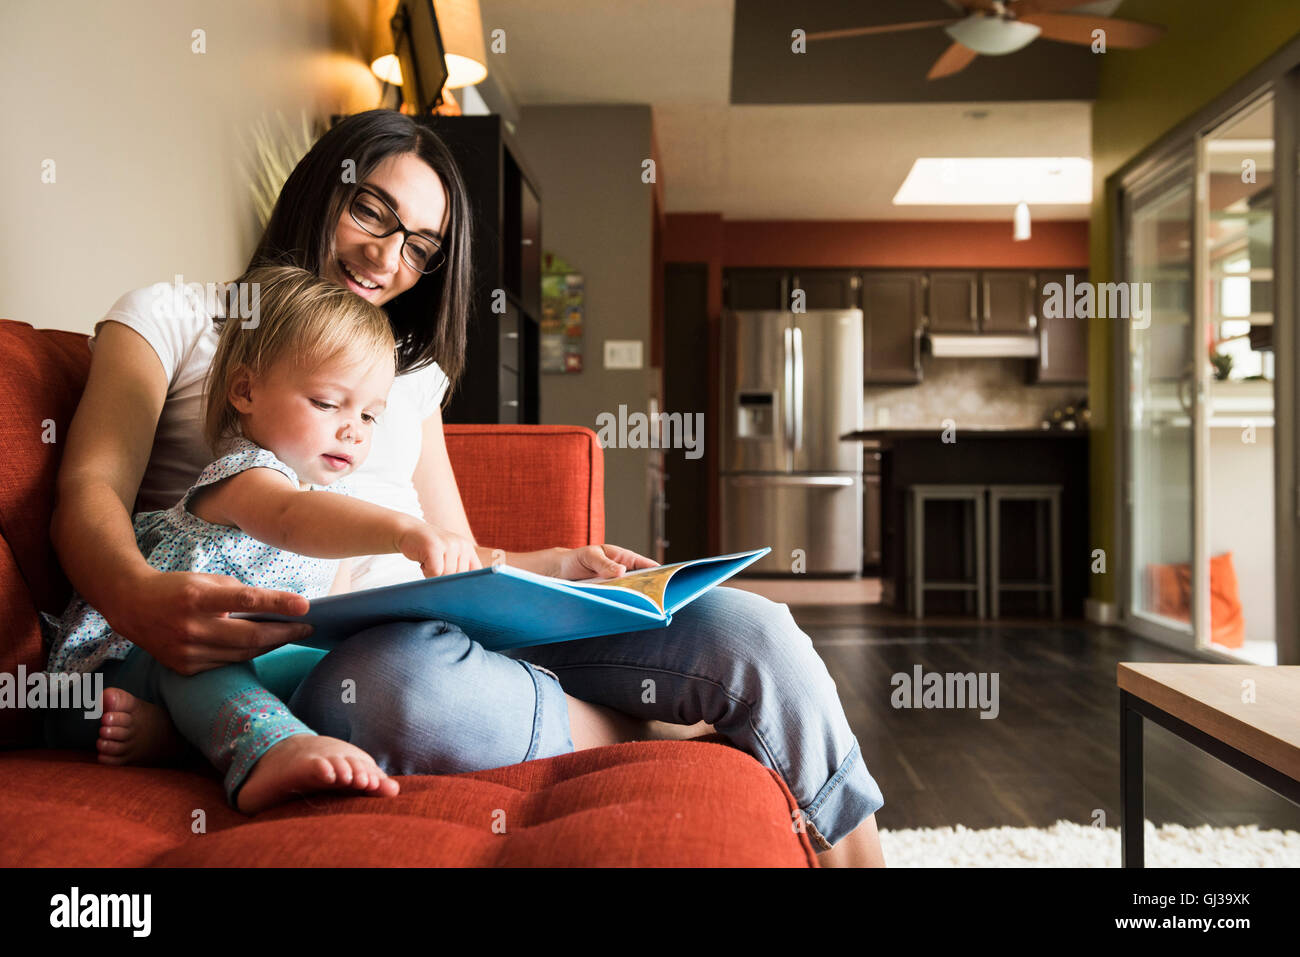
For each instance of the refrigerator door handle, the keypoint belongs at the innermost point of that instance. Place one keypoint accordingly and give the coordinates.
(776, 478)
(798, 388)
(789, 388)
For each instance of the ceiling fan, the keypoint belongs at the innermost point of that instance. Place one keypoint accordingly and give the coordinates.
(996, 27)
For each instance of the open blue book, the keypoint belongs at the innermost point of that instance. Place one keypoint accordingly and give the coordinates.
(504, 607)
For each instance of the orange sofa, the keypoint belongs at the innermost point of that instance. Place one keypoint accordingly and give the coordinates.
(654, 803)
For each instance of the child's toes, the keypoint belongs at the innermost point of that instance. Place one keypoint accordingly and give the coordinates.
(112, 752)
(115, 719)
(117, 700)
(342, 770)
(114, 732)
(361, 774)
(323, 771)
(380, 782)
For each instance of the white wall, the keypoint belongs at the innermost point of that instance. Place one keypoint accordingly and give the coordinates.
(145, 136)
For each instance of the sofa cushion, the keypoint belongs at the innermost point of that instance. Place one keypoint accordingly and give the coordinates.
(527, 487)
(45, 371)
(649, 803)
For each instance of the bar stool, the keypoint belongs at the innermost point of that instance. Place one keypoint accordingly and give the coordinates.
(917, 496)
(1051, 496)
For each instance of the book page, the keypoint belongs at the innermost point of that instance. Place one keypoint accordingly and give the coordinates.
(651, 582)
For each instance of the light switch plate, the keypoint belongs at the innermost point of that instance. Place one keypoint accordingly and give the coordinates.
(622, 353)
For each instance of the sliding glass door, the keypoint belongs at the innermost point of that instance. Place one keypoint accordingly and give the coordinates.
(1199, 482)
(1237, 515)
(1162, 402)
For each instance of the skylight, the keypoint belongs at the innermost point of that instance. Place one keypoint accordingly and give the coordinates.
(997, 181)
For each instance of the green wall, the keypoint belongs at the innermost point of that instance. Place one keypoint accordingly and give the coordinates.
(1141, 95)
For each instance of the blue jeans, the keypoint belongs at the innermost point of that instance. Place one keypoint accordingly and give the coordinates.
(425, 698)
(739, 662)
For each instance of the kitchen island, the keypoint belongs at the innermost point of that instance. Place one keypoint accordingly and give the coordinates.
(972, 456)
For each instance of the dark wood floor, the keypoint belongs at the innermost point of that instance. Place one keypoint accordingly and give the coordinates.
(1052, 752)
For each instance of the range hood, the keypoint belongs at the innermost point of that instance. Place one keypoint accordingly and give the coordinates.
(977, 345)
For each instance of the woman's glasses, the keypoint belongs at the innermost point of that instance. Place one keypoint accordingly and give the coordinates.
(373, 214)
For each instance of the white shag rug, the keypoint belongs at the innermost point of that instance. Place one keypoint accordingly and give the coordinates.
(1067, 844)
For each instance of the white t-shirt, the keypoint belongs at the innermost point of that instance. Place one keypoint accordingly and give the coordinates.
(179, 327)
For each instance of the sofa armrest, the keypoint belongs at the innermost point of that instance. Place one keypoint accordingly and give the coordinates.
(527, 487)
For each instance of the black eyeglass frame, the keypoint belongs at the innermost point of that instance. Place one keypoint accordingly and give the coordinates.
(401, 228)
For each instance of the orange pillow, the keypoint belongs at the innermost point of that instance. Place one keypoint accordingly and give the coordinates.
(1169, 589)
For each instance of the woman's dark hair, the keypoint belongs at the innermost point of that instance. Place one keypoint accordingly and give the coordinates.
(428, 319)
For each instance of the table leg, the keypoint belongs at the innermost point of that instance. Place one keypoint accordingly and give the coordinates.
(1132, 798)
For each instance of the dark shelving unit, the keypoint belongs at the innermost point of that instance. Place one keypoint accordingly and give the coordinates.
(500, 382)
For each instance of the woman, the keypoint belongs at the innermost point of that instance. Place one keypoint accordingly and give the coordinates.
(379, 206)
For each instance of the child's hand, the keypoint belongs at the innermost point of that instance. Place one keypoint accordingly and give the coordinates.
(438, 552)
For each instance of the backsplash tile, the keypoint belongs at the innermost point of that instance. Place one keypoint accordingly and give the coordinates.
(983, 393)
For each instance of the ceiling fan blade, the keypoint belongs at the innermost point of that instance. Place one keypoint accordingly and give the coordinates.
(1120, 34)
(885, 28)
(1025, 8)
(953, 60)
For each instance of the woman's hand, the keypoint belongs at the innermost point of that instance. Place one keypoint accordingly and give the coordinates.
(438, 552)
(597, 561)
(183, 619)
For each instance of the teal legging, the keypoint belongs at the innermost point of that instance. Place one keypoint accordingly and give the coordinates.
(233, 714)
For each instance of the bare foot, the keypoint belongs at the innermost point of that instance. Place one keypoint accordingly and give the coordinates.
(133, 731)
(305, 763)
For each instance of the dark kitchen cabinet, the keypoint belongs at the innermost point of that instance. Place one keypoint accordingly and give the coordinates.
(500, 381)
(828, 288)
(756, 288)
(872, 516)
(1062, 342)
(892, 305)
(1010, 302)
(954, 301)
(746, 288)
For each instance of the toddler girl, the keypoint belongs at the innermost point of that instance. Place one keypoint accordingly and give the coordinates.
(291, 398)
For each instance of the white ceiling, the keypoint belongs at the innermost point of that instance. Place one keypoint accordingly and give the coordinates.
(842, 161)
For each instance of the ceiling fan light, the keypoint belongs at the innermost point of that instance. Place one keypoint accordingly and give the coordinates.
(992, 36)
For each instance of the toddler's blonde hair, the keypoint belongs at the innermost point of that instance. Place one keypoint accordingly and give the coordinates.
(299, 316)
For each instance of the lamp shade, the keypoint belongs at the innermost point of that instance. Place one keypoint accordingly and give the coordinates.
(461, 26)
(383, 62)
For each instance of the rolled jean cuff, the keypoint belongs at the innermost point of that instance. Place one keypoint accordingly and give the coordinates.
(849, 798)
(551, 732)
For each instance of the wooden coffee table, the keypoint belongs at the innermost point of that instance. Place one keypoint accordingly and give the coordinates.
(1203, 704)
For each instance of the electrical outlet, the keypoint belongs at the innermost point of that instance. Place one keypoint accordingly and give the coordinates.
(622, 353)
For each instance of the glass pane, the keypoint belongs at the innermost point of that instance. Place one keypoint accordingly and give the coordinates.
(1160, 407)
(1239, 410)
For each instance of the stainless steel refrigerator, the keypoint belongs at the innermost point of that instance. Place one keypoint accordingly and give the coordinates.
(791, 386)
